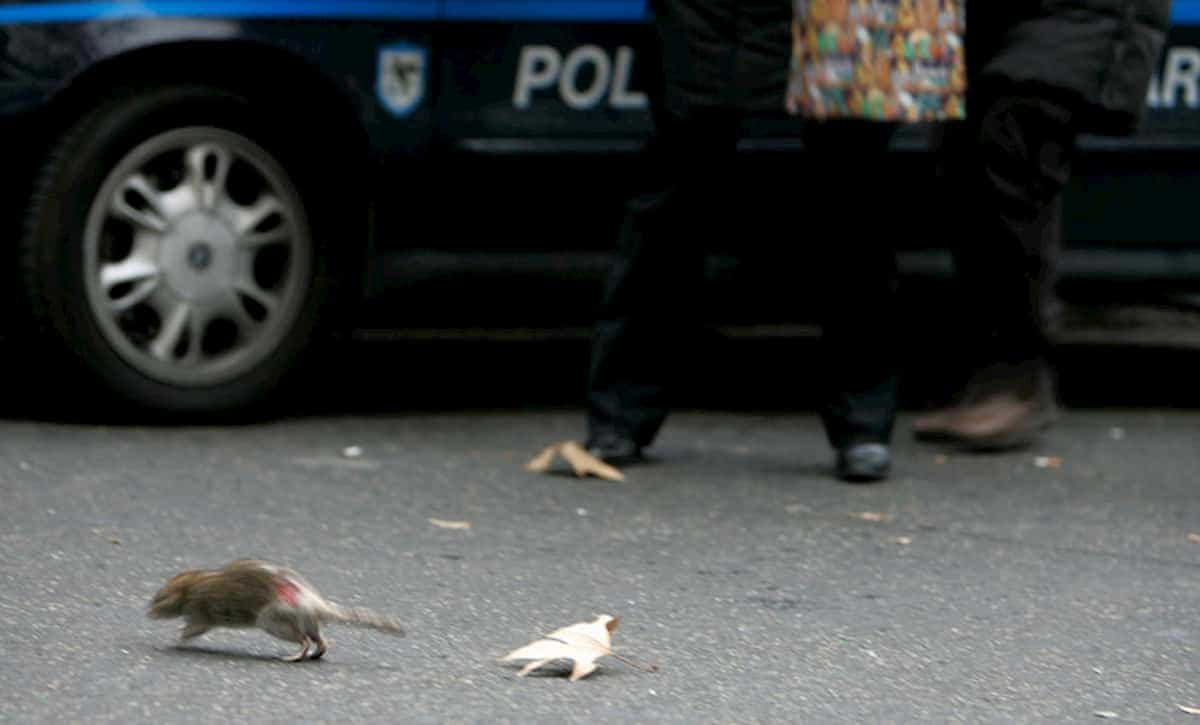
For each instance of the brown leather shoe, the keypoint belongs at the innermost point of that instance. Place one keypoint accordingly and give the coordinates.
(1001, 406)
(1001, 422)
(939, 424)
(936, 424)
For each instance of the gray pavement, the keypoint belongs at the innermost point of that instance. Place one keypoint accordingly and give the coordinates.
(992, 590)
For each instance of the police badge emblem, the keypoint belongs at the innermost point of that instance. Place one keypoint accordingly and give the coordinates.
(400, 77)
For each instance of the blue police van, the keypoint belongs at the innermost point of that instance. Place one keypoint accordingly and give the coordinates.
(199, 191)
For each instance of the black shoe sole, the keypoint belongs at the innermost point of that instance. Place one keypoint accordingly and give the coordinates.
(863, 477)
(618, 458)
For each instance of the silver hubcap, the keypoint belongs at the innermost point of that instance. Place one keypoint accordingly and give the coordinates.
(197, 253)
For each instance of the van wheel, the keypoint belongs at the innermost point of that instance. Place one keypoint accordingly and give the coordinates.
(171, 249)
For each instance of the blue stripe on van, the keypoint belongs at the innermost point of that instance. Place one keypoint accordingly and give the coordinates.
(50, 12)
(578, 10)
(479, 10)
(1183, 12)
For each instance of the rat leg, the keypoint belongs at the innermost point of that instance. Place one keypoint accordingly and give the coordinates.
(302, 654)
(285, 626)
(322, 646)
(193, 630)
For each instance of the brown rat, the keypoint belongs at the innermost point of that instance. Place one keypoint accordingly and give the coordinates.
(252, 593)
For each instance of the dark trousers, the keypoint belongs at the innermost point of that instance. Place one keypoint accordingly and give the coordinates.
(1005, 169)
(721, 59)
(648, 313)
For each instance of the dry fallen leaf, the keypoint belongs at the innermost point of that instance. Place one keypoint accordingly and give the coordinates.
(1194, 538)
(1106, 714)
(112, 540)
(1048, 462)
(940, 459)
(871, 516)
(458, 525)
(903, 540)
(583, 643)
(541, 462)
(582, 462)
(1189, 710)
(585, 463)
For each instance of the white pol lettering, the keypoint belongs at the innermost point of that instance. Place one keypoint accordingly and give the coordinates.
(538, 67)
(568, 83)
(621, 97)
(1181, 74)
(584, 78)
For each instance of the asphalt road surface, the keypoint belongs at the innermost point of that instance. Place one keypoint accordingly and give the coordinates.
(1053, 584)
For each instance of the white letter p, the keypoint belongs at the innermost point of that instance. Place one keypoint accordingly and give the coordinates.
(538, 68)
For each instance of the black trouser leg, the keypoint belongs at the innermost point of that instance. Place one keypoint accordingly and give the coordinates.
(716, 59)
(1007, 168)
(859, 279)
(647, 315)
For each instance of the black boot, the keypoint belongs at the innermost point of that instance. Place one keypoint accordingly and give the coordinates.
(864, 462)
(614, 449)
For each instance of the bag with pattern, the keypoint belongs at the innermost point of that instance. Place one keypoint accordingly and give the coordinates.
(878, 60)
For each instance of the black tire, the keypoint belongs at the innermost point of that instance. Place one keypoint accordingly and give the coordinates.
(52, 247)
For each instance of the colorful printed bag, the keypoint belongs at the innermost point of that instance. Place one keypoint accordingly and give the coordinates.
(878, 60)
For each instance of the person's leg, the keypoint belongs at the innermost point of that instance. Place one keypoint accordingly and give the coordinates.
(647, 314)
(647, 311)
(857, 296)
(1010, 165)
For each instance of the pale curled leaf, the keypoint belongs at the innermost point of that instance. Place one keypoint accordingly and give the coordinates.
(582, 462)
(1048, 462)
(110, 539)
(1194, 538)
(585, 463)
(872, 516)
(536, 665)
(541, 462)
(1189, 710)
(456, 525)
(582, 643)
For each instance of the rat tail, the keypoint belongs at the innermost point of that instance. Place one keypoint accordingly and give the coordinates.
(359, 617)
